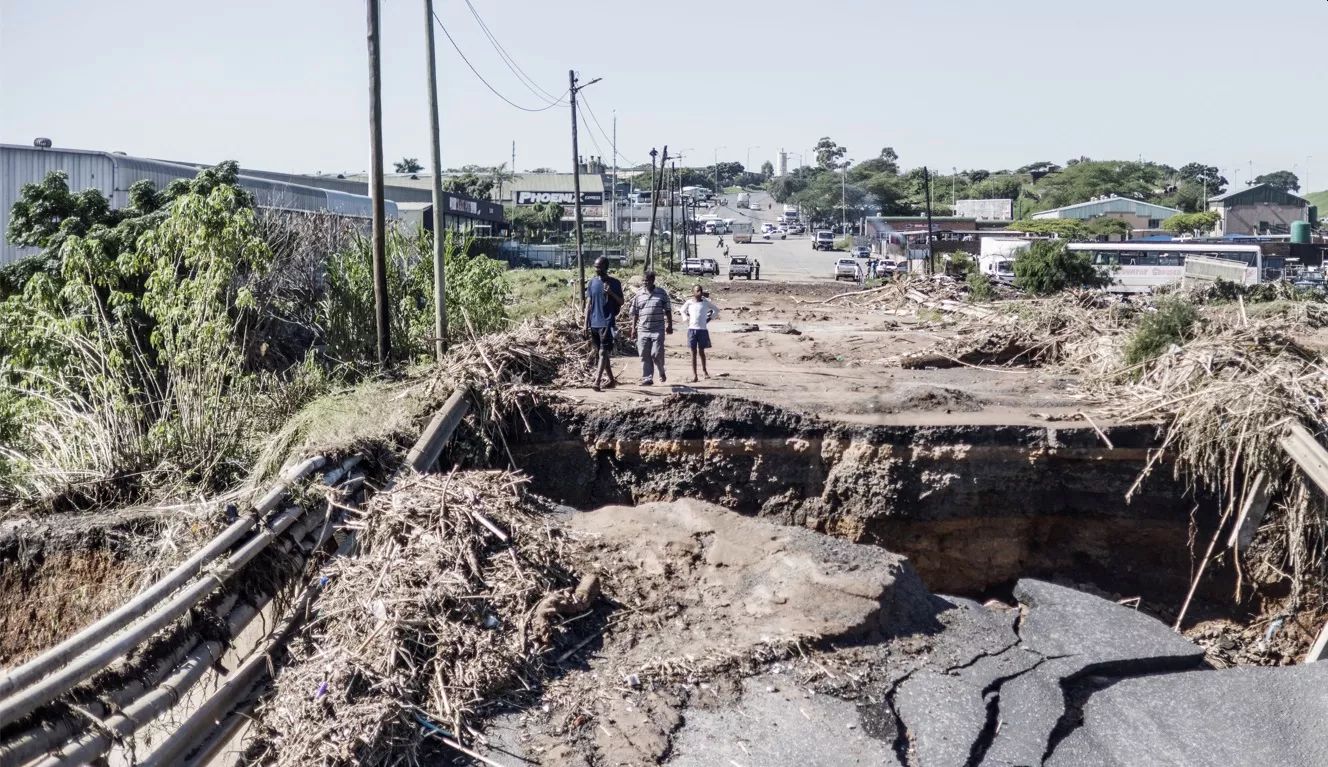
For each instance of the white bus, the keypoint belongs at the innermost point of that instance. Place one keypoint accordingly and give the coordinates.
(1140, 267)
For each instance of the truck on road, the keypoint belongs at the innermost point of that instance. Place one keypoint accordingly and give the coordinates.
(742, 231)
(824, 239)
(739, 266)
(744, 200)
(847, 269)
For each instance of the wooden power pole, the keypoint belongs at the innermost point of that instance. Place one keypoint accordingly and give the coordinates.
(376, 189)
(572, 90)
(926, 185)
(439, 278)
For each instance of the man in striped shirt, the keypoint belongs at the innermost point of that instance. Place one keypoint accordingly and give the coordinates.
(652, 319)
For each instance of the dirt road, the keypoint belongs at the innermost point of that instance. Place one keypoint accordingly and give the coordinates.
(783, 344)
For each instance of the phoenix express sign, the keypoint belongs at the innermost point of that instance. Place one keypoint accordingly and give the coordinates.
(562, 198)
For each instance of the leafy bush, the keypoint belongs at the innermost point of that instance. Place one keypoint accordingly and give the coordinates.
(477, 296)
(1172, 323)
(1048, 267)
(979, 287)
(127, 370)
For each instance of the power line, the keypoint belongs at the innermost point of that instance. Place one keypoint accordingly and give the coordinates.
(589, 132)
(602, 132)
(512, 66)
(494, 90)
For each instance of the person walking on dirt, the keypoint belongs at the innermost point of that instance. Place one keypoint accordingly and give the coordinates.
(652, 319)
(604, 300)
(720, 244)
(699, 311)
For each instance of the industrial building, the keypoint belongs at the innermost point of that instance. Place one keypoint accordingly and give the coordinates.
(113, 173)
(1259, 210)
(1139, 214)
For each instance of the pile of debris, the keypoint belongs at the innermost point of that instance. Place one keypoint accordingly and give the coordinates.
(1075, 327)
(1228, 397)
(450, 603)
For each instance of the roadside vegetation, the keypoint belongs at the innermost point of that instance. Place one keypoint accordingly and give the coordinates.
(1173, 322)
(1049, 267)
(148, 351)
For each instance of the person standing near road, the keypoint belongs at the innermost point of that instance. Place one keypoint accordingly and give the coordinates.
(756, 269)
(604, 300)
(652, 319)
(699, 311)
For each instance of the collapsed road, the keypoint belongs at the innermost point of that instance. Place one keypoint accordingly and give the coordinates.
(745, 573)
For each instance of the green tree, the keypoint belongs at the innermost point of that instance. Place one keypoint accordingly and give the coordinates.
(1106, 226)
(1065, 228)
(1049, 267)
(408, 165)
(890, 193)
(470, 185)
(829, 154)
(1192, 223)
(1083, 181)
(499, 177)
(767, 170)
(1282, 179)
(1201, 175)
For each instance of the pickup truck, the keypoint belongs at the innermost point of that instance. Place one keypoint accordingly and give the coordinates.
(739, 266)
(693, 266)
(709, 266)
(847, 269)
(823, 240)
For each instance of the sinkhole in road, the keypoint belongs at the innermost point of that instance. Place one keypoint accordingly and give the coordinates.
(973, 507)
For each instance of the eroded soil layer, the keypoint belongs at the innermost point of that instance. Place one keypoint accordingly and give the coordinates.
(973, 507)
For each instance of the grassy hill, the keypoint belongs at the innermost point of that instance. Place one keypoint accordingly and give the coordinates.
(1320, 199)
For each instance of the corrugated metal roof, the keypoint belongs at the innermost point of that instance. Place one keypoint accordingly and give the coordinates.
(1094, 208)
(1259, 193)
(113, 174)
(555, 182)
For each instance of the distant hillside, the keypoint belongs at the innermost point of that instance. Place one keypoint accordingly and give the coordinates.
(1321, 200)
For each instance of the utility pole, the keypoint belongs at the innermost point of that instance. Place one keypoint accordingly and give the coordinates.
(616, 220)
(572, 90)
(673, 233)
(379, 238)
(926, 185)
(435, 144)
(656, 187)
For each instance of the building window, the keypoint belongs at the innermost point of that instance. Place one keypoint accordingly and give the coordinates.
(1154, 223)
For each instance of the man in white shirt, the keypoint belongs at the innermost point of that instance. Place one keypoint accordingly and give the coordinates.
(699, 311)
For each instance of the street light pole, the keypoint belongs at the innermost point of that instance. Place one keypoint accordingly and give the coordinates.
(749, 156)
(717, 190)
(843, 198)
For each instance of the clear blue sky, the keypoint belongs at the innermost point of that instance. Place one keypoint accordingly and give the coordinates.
(282, 84)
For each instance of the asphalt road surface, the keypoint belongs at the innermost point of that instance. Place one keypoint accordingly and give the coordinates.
(790, 260)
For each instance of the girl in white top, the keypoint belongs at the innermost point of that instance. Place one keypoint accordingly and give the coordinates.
(699, 311)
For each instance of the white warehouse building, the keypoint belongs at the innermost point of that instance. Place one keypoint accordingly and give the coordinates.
(113, 173)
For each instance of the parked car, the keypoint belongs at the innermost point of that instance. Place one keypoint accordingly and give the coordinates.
(739, 266)
(824, 240)
(847, 269)
(889, 269)
(861, 251)
(797, 229)
(693, 266)
(709, 266)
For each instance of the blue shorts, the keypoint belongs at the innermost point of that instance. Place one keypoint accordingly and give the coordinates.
(698, 339)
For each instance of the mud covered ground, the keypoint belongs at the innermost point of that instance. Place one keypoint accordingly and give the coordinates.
(779, 343)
